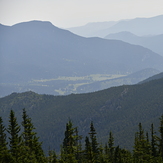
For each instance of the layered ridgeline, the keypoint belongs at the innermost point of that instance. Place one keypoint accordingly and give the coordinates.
(133, 78)
(137, 26)
(118, 109)
(39, 56)
(151, 42)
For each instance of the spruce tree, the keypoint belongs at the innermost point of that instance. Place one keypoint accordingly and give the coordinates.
(69, 146)
(142, 148)
(94, 143)
(106, 151)
(31, 141)
(52, 157)
(69, 140)
(4, 153)
(102, 158)
(78, 146)
(117, 155)
(111, 147)
(3, 143)
(88, 150)
(153, 142)
(161, 137)
(14, 138)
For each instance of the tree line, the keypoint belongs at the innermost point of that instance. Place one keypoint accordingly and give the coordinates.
(20, 144)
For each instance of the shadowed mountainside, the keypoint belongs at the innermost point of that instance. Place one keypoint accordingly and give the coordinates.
(35, 50)
(118, 109)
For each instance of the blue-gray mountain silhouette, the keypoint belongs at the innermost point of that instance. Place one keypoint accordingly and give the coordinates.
(151, 42)
(137, 26)
(37, 49)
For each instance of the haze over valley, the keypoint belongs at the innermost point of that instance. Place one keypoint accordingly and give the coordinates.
(50, 60)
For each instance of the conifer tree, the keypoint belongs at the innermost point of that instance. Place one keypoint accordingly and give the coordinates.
(142, 148)
(68, 141)
(79, 152)
(102, 158)
(14, 138)
(161, 137)
(106, 151)
(88, 150)
(117, 155)
(31, 141)
(4, 153)
(94, 143)
(126, 156)
(111, 147)
(3, 143)
(153, 142)
(52, 158)
(69, 147)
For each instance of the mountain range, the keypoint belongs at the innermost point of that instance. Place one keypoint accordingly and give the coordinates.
(39, 51)
(92, 29)
(151, 42)
(137, 26)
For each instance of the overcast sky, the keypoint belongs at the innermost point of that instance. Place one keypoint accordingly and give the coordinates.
(69, 13)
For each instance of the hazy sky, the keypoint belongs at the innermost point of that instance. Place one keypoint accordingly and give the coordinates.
(69, 13)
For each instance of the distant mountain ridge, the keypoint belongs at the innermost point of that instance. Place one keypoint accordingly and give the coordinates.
(151, 42)
(137, 26)
(91, 29)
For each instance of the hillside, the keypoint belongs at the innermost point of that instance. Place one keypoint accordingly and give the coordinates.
(154, 77)
(39, 51)
(153, 43)
(131, 79)
(118, 109)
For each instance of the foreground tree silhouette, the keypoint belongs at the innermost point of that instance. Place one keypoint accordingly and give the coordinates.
(52, 157)
(88, 150)
(3, 143)
(111, 147)
(70, 147)
(153, 142)
(4, 153)
(142, 148)
(31, 141)
(91, 146)
(14, 138)
(25, 147)
(94, 144)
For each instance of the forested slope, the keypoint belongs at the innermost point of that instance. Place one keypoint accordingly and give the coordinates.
(118, 109)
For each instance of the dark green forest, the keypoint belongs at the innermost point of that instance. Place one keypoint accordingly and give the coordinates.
(118, 109)
(19, 143)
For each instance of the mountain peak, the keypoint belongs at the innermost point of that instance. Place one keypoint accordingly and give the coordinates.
(35, 24)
